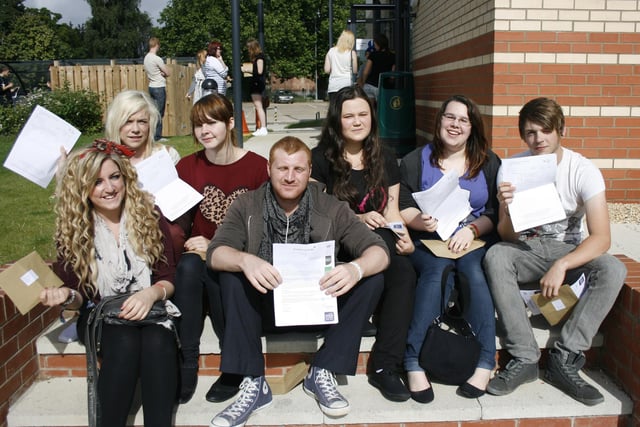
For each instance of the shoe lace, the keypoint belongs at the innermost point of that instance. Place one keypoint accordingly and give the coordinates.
(572, 374)
(327, 384)
(512, 369)
(249, 390)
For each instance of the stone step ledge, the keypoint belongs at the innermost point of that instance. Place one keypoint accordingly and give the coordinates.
(39, 406)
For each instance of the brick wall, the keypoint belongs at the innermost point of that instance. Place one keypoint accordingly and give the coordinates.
(501, 53)
(19, 366)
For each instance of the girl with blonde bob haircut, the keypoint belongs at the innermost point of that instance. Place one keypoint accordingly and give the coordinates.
(112, 241)
(131, 120)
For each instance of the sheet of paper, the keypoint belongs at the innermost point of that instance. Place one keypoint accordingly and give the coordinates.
(36, 151)
(158, 176)
(527, 296)
(529, 171)
(299, 300)
(579, 285)
(536, 206)
(25, 279)
(441, 249)
(447, 202)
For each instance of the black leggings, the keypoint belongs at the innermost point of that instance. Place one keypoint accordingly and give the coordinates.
(129, 353)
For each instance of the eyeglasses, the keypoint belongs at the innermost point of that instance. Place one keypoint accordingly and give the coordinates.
(462, 121)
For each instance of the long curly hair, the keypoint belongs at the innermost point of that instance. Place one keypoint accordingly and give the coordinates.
(253, 46)
(332, 144)
(124, 105)
(75, 222)
(477, 145)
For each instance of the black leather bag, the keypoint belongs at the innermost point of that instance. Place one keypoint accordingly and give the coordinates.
(107, 311)
(450, 351)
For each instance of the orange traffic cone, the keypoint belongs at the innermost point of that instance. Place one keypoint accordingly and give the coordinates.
(245, 128)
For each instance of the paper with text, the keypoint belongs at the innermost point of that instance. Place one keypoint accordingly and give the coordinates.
(536, 200)
(36, 151)
(446, 202)
(298, 300)
(158, 176)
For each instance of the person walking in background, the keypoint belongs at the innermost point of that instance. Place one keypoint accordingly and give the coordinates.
(356, 168)
(157, 72)
(258, 84)
(195, 90)
(6, 86)
(341, 63)
(215, 68)
(110, 240)
(459, 146)
(380, 61)
(221, 171)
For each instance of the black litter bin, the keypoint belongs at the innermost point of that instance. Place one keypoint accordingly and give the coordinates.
(397, 112)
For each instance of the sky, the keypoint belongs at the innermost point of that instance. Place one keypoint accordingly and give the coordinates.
(77, 12)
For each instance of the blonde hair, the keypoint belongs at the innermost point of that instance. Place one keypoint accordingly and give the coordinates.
(153, 42)
(346, 41)
(123, 106)
(254, 49)
(75, 232)
(201, 57)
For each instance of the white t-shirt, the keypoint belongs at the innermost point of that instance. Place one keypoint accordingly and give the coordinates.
(152, 64)
(341, 72)
(577, 180)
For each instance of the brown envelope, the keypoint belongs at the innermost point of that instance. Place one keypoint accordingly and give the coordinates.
(439, 248)
(556, 309)
(25, 279)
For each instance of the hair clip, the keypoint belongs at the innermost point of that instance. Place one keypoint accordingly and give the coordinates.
(108, 147)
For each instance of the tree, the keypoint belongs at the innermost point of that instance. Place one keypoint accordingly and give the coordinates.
(117, 29)
(290, 29)
(36, 35)
(11, 10)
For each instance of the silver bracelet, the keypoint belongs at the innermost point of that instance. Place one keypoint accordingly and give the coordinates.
(70, 299)
(358, 268)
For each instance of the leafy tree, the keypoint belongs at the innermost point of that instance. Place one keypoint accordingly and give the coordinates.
(117, 29)
(11, 10)
(291, 30)
(36, 35)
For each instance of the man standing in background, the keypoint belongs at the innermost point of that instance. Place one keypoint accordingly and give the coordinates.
(157, 72)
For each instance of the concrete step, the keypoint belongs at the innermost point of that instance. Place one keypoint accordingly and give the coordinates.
(62, 402)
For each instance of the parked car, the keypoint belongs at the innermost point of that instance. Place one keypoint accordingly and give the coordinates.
(283, 97)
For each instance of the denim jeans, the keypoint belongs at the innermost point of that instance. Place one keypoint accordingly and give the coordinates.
(509, 264)
(481, 315)
(159, 95)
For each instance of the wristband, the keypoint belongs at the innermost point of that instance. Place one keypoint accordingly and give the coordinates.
(474, 230)
(357, 266)
(164, 297)
(70, 299)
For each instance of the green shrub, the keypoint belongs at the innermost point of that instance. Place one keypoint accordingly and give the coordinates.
(80, 108)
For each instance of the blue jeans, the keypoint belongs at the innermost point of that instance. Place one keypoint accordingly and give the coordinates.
(509, 264)
(481, 314)
(159, 95)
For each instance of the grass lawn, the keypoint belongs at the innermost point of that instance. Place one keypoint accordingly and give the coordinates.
(26, 210)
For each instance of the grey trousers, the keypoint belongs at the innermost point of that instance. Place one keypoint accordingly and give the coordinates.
(507, 265)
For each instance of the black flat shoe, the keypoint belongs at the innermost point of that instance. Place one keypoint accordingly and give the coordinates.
(390, 385)
(470, 391)
(225, 387)
(188, 383)
(423, 396)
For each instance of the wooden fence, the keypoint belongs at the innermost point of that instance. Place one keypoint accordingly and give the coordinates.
(109, 80)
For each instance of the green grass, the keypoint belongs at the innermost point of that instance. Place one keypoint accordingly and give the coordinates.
(26, 210)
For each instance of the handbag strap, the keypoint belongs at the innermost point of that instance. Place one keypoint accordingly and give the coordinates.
(93, 332)
(449, 269)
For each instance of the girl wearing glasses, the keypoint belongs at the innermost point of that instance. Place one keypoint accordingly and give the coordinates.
(459, 145)
(215, 68)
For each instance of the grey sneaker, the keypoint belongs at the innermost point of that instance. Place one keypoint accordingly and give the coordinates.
(563, 372)
(255, 394)
(512, 376)
(321, 385)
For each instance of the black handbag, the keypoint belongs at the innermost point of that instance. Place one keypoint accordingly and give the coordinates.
(107, 311)
(450, 350)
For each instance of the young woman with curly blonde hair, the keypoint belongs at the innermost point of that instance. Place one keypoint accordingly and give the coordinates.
(111, 240)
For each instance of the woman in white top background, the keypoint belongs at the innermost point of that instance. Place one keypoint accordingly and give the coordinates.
(341, 63)
(215, 68)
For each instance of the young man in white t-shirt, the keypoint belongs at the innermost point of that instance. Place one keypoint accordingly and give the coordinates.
(544, 254)
(157, 72)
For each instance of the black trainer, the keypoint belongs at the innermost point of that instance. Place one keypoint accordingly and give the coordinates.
(390, 385)
(512, 376)
(225, 387)
(563, 372)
